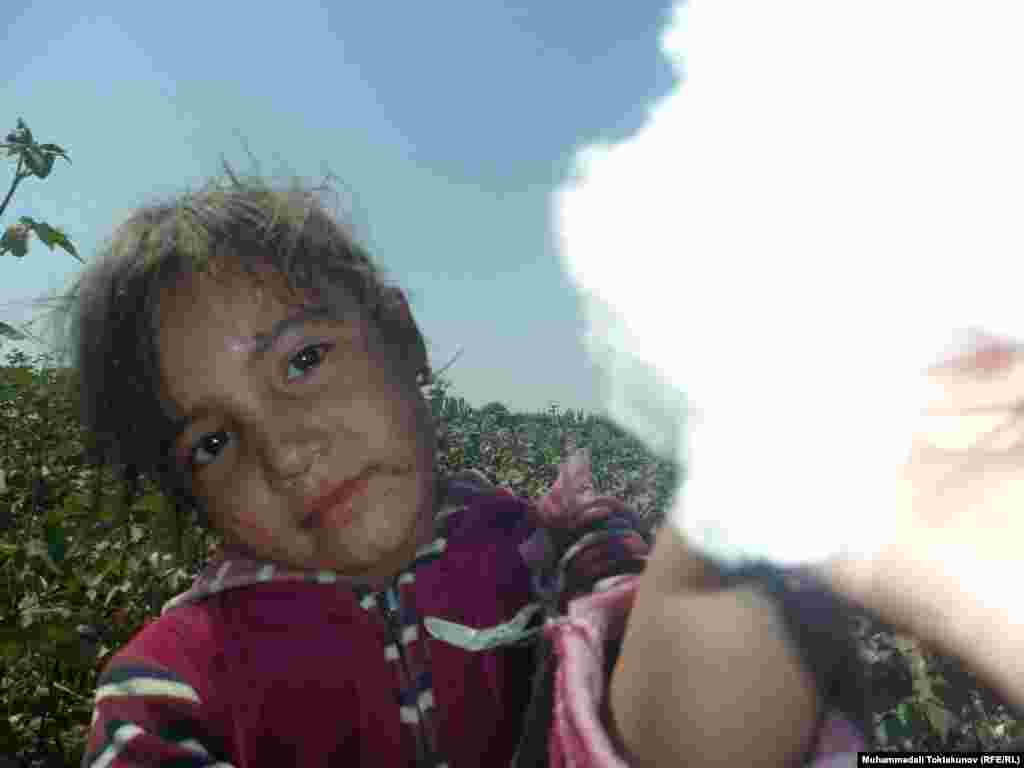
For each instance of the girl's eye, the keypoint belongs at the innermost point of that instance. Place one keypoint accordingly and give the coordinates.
(322, 349)
(300, 356)
(203, 443)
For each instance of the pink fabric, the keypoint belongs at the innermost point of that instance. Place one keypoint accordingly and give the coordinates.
(579, 730)
(571, 501)
(579, 733)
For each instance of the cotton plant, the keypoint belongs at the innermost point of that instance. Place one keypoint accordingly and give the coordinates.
(826, 204)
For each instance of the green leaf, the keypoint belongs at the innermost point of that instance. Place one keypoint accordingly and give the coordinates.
(895, 730)
(11, 633)
(9, 741)
(905, 713)
(940, 719)
(16, 245)
(56, 543)
(24, 131)
(52, 236)
(21, 134)
(53, 149)
(986, 734)
(35, 548)
(39, 163)
(21, 377)
(9, 332)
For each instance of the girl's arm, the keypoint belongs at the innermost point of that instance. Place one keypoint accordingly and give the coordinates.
(928, 599)
(708, 673)
(952, 573)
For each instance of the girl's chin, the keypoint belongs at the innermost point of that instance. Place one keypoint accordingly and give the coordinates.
(348, 541)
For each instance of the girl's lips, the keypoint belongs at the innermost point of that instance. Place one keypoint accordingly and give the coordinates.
(337, 504)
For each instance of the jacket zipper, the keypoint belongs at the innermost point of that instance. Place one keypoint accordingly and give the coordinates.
(392, 619)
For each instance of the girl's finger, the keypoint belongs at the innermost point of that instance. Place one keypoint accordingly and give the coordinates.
(985, 374)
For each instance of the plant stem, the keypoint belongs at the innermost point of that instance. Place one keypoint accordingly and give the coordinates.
(18, 176)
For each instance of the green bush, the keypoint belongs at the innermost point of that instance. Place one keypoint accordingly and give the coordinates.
(77, 588)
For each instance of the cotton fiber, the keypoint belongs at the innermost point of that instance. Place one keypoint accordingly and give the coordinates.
(827, 203)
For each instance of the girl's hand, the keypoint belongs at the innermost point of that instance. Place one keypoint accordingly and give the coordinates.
(698, 662)
(953, 574)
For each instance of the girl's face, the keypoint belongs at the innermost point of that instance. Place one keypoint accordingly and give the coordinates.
(273, 430)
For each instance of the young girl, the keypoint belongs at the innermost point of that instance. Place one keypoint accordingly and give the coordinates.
(241, 349)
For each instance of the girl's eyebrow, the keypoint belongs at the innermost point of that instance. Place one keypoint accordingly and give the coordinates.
(257, 346)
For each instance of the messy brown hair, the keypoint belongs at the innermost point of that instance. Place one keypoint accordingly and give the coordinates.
(110, 329)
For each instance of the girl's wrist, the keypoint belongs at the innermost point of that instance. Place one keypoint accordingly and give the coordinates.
(944, 600)
(899, 591)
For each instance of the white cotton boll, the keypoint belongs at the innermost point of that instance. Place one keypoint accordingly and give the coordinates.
(825, 204)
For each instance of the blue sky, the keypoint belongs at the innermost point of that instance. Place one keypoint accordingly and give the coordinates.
(447, 124)
(836, 182)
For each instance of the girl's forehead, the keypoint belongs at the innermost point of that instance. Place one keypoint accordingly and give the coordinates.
(242, 310)
(230, 282)
(234, 311)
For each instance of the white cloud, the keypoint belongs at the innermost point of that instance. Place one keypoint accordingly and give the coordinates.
(804, 223)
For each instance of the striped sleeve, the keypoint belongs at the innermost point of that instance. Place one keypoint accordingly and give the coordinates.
(148, 715)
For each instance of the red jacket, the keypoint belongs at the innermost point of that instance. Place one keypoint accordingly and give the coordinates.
(260, 666)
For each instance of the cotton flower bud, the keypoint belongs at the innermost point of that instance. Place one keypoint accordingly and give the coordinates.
(16, 239)
(18, 231)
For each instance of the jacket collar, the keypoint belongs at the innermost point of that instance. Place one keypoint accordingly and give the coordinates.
(227, 570)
